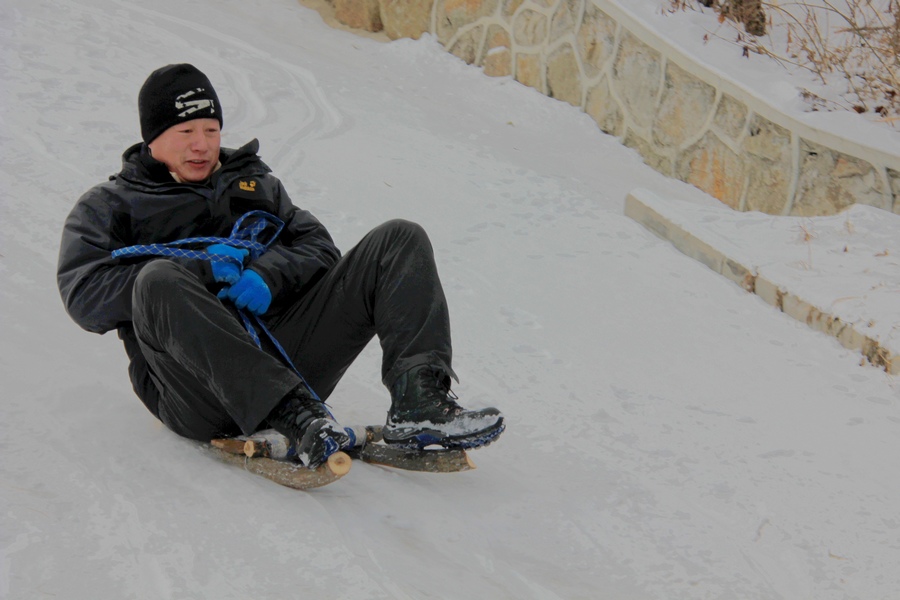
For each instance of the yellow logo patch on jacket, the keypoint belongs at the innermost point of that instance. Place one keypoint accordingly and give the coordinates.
(247, 186)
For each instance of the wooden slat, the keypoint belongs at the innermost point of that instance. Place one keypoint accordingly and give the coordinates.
(286, 473)
(431, 461)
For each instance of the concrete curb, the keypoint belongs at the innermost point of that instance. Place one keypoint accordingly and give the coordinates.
(848, 334)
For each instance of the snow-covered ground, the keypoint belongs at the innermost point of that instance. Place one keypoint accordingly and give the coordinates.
(670, 436)
(844, 267)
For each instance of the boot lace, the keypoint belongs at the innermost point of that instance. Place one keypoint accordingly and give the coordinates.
(436, 387)
(301, 410)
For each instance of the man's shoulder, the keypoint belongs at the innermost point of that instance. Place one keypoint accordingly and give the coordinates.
(117, 190)
(103, 192)
(133, 173)
(244, 158)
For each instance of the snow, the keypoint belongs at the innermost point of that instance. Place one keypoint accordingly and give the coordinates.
(670, 436)
(846, 265)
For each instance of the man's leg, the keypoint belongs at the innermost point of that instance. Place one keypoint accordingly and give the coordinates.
(213, 380)
(388, 286)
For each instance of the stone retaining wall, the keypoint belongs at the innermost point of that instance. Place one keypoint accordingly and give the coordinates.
(685, 120)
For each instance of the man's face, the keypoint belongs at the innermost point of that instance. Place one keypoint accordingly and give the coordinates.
(189, 149)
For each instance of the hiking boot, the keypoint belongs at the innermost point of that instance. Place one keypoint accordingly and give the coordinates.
(424, 412)
(306, 422)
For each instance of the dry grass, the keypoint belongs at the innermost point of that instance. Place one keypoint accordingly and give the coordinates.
(853, 42)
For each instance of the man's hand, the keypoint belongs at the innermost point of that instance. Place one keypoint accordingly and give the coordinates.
(250, 292)
(227, 271)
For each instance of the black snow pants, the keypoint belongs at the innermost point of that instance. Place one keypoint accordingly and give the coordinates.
(214, 381)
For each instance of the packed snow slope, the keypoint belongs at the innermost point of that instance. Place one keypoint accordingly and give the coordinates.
(670, 436)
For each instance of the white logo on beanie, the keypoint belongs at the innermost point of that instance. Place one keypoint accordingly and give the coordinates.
(189, 107)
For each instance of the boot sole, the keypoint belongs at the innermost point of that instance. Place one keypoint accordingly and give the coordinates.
(427, 437)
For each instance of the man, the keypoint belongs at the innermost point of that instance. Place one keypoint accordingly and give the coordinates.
(188, 321)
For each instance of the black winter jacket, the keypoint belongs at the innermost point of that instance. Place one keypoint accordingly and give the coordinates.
(143, 204)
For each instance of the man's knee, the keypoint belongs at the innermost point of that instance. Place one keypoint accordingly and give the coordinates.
(155, 278)
(162, 289)
(404, 230)
(160, 283)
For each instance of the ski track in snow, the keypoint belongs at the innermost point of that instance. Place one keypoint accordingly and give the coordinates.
(669, 435)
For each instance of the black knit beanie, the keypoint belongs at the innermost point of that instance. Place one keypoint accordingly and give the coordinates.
(174, 94)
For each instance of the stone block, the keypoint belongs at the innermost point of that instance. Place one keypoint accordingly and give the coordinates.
(831, 181)
(604, 109)
(894, 181)
(700, 251)
(509, 8)
(797, 308)
(731, 117)
(498, 62)
(768, 140)
(769, 167)
(821, 321)
(847, 335)
(565, 18)
(714, 168)
(638, 211)
(768, 186)
(452, 15)
(528, 71)
(497, 59)
(406, 18)
(769, 292)
(687, 104)
(563, 76)
(637, 79)
(739, 274)
(530, 28)
(654, 159)
(467, 45)
(359, 14)
(596, 40)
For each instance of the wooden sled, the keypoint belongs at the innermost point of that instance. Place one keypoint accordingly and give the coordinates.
(255, 454)
(290, 474)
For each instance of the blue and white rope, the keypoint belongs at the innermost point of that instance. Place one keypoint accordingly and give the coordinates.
(242, 236)
(246, 234)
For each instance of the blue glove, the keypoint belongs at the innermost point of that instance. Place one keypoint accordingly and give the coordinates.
(250, 292)
(228, 271)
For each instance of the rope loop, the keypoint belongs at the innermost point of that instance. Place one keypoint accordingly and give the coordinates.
(255, 231)
(259, 222)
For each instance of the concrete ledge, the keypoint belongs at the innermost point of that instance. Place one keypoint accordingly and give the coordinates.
(853, 336)
(685, 242)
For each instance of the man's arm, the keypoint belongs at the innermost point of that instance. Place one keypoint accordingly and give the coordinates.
(302, 253)
(95, 289)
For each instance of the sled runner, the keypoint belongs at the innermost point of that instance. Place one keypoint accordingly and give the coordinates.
(268, 454)
(284, 472)
(429, 461)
